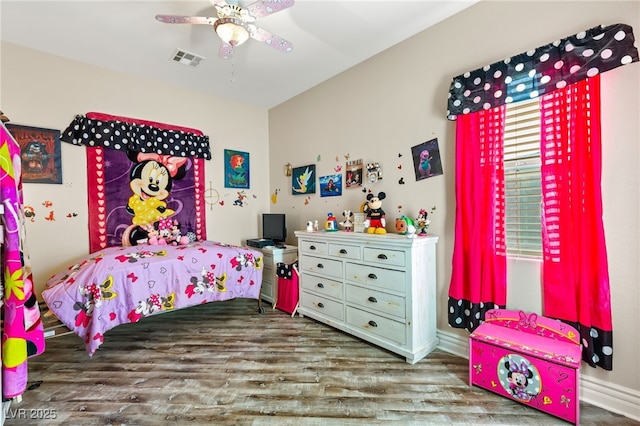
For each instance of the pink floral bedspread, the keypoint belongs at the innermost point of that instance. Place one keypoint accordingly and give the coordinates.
(120, 285)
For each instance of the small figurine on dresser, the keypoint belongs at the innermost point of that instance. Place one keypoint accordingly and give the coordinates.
(331, 223)
(375, 221)
(405, 226)
(347, 223)
(422, 223)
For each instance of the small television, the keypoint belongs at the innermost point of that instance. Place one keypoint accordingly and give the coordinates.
(274, 227)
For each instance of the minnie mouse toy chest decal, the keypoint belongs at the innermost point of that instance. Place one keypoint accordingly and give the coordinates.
(530, 359)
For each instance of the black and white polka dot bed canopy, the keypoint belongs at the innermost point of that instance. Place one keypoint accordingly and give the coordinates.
(129, 134)
(542, 70)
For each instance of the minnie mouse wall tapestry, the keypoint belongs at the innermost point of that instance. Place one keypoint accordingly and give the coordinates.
(150, 180)
(147, 198)
(145, 180)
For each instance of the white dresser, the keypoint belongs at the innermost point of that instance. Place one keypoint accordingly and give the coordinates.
(272, 256)
(381, 288)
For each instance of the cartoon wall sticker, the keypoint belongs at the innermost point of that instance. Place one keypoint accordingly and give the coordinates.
(30, 213)
(274, 196)
(242, 195)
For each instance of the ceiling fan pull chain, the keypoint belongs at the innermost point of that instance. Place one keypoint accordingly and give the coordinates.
(232, 80)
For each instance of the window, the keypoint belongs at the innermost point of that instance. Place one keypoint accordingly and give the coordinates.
(523, 195)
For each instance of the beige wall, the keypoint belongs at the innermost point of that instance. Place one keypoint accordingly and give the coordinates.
(383, 107)
(374, 111)
(47, 91)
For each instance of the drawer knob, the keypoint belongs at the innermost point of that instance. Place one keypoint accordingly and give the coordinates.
(320, 285)
(320, 305)
(343, 251)
(372, 299)
(312, 247)
(382, 256)
(373, 324)
(372, 276)
(320, 265)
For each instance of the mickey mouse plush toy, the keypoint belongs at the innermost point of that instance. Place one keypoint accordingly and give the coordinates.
(375, 221)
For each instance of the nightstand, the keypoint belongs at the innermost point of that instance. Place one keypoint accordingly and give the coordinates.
(272, 256)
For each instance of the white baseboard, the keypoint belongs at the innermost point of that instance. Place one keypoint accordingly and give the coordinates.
(608, 396)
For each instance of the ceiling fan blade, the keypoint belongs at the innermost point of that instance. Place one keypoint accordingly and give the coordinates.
(218, 3)
(262, 8)
(269, 39)
(175, 19)
(226, 50)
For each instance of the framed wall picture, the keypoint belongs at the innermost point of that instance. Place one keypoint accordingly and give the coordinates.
(426, 159)
(353, 174)
(303, 180)
(40, 153)
(331, 185)
(236, 169)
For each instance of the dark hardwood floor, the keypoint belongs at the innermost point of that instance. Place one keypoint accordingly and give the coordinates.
(224, 363)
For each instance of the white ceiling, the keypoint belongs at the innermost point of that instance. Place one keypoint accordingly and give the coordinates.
(328, 36)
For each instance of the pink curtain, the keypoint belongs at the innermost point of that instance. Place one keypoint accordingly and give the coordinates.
(478, 279)
(576, 278)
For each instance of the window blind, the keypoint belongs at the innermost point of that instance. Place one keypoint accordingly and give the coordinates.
(523, 194)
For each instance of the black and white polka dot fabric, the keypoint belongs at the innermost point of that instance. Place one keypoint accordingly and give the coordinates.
(285, 270)
(123, 136)
(542, 70)
(465, 314)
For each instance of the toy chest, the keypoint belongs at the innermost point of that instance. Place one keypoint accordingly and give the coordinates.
(530, 359)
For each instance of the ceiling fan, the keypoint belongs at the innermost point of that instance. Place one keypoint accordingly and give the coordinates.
(234, 24)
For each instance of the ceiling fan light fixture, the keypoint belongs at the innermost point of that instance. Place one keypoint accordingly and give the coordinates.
(232, 31)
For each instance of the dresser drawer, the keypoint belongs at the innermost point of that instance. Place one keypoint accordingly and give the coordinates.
(322, 305)
(371, 323)
(384, 256)
(377, 277)
(319, 265)
(320, 285)
(312, 247)
(376, 300)
(345, 251)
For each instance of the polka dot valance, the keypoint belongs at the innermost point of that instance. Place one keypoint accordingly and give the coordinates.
(542, 70)
(129, 134)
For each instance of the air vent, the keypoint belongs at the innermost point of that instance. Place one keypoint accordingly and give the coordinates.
(187, 58)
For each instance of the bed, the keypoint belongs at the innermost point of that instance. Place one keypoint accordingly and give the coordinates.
(119, 285)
